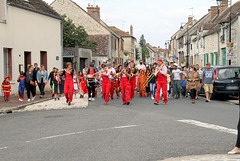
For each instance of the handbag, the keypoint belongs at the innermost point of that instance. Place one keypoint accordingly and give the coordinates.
(31, 82)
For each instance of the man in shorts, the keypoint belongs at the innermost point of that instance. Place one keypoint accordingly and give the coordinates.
(208, 78)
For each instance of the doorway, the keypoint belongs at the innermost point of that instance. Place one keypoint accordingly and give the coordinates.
(43, 59)
(27, 60)
(82, 63)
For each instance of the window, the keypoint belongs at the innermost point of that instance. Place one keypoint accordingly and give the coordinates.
(7, 62)
(3, 10)
(229, 73)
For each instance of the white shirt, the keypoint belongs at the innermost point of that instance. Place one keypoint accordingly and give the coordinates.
(163, 71)
(139, 67)
(176, 74)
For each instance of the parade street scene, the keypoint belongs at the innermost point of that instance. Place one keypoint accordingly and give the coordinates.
(101, 80)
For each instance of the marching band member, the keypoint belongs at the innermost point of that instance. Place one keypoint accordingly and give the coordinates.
(132, 80)
(82, 85)
(68, 87)
(125, 84)
(91, 76)
(112, 78)
(161, 72)
(106, 83)
(140, 84)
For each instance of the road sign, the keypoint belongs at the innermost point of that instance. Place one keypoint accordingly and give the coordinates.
(230, 51)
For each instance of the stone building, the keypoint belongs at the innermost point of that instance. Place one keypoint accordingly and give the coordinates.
(108, 41)
(30, 32)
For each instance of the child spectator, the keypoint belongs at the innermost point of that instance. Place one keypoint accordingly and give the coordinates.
(183, 86)
(168, 82)
(75, 83)
(21, 87)
(6, 87)
(57, 82)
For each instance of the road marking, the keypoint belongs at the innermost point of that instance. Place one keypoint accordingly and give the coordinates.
(1, 148)
(80, 132)
(210, 126)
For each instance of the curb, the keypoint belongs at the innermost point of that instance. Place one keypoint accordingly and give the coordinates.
(235, 102)
(20, 107)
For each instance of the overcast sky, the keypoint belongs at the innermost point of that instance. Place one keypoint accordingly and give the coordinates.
(158, 20)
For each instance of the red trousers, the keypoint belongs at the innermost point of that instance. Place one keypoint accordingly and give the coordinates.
(117, 88)
(125, 89)
(68, 90)
(106, 90)
(162, 86)
(112, 89)
(21, 96)
(6, 95)
(132, 87)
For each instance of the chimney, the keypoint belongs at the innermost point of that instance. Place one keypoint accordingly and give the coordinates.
(190, 20)
(94, 12)
(223, 6)
(131, 30)
(214, 11)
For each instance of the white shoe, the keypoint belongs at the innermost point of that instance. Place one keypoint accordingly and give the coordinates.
(33, 98)
(28, 100)
(152, 98)
(20, 100)
(89, 99)
(234, 152)
(93, 99)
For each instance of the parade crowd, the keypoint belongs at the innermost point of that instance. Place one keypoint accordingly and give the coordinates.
(156, 81)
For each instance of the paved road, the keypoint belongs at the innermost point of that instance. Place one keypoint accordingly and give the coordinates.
(140, 131)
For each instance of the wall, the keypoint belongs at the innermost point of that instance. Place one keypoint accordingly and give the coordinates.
(29, 31)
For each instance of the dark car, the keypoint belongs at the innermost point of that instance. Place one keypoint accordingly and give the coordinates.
(227, 81)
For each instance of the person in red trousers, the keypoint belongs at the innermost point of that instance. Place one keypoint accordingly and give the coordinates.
(125, 84)
(132, 80)
(116, 85)
(112, 78)
(68, 87)
(6, 87)
(161, 73)
(106, 83)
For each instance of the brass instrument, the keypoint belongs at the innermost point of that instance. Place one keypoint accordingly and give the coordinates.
(132, 72)
(151, 76)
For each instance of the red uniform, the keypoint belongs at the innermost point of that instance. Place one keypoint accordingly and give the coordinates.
(125, 87)
(116, 85)
(161, 84)
(68, 87)
(83, 84)
(106, 85)
(112, 85)
(133, 84)
(6, 87)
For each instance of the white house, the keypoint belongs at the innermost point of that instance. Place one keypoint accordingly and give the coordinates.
(30, 32)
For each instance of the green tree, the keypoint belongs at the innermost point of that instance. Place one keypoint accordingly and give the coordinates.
(137, 53)
(145, 51)
(126, 53)
(76, 36)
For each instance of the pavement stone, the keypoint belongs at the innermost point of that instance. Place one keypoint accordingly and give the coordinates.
(207, 158)
(58, 104)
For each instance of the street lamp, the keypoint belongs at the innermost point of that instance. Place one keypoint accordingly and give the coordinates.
(219, 2)
(187, 64)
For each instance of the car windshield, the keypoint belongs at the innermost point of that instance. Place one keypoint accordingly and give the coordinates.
(229, 73)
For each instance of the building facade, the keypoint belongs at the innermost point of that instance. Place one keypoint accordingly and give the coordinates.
(30, 32)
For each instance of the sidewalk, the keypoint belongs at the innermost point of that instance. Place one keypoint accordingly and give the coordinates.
(14, 104)
(207, 158)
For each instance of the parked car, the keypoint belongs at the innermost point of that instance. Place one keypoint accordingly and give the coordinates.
(227, 81)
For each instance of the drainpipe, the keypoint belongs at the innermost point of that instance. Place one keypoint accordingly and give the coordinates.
(62, 42)
(218, 47)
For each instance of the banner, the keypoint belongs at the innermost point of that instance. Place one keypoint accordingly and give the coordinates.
(230, 50)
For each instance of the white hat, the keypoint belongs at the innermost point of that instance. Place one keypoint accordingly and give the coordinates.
(175, 64)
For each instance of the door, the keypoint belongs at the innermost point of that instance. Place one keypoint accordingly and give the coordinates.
(27, 60)
(224, 58)
(82, 63)
(43, 59)
(7, 56)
